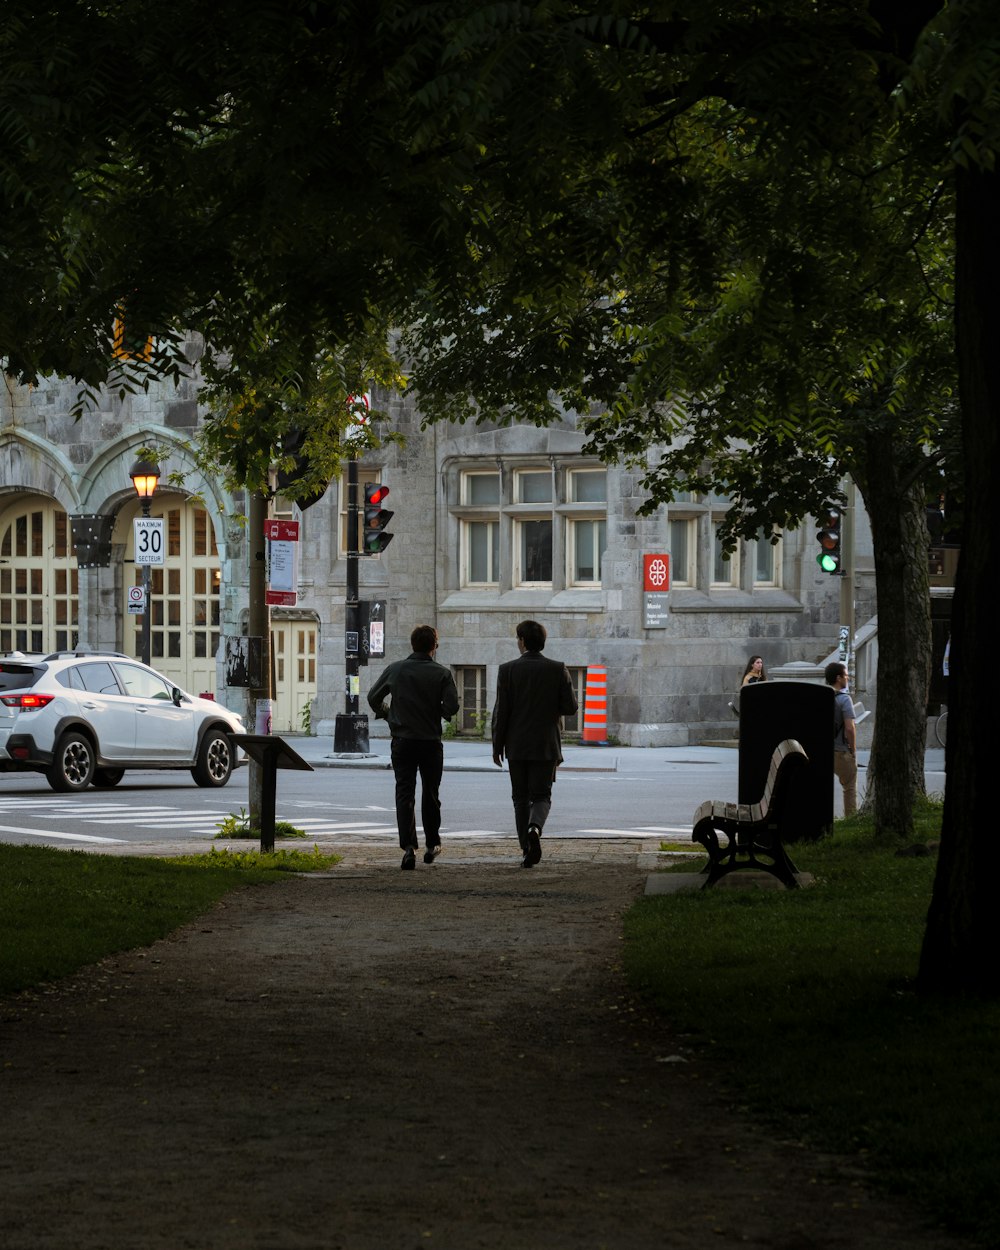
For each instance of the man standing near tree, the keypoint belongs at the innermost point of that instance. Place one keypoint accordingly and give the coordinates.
(533, 693)
(845, 763)
(414, 695)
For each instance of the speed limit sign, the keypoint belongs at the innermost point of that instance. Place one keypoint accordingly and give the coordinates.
(148, 540)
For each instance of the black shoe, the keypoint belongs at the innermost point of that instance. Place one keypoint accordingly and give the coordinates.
(534, 851)
(409, 859)
(527, 862)
(431, 854)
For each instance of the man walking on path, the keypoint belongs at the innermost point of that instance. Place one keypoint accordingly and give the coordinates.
(845, 763)
(533, 692)
(413, 695)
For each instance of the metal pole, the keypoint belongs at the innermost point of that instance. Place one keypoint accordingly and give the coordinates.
(350, 735)
(847, 582)
(258, 626)
(147, 607)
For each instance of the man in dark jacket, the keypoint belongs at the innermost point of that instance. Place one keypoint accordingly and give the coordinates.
(413, 695)
(533, 693)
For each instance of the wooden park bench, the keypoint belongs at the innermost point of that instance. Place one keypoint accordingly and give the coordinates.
(751, 830)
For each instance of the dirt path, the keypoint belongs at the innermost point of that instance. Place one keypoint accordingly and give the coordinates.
(377, 1060)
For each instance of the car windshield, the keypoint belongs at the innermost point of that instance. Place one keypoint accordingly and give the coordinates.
(18, 676)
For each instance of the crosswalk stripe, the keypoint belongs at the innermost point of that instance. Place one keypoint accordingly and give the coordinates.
(63, 837)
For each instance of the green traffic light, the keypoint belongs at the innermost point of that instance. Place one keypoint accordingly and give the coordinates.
(827, 562)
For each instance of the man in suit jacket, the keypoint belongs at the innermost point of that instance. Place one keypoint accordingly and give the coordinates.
(533, 693)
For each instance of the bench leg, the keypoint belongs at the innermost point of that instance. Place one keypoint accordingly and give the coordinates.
(744, 848)
(721, 859)
(781, 866)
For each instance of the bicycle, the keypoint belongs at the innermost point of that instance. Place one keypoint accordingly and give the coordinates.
(941, 727)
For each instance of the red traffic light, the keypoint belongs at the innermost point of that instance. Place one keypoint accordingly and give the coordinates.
(376, 539)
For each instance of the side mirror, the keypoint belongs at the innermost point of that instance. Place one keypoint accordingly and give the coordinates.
(176, 696)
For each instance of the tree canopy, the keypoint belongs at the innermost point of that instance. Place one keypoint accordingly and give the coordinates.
(723, 230)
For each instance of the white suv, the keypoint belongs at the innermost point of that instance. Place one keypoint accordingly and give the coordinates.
(83, 718)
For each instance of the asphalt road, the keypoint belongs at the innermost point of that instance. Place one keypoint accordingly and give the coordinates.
(600, 793)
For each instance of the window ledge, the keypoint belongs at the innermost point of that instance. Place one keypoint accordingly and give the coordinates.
(767, 599)
(580, 599)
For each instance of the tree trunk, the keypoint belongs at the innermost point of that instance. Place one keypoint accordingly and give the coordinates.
(963, 925)
(894, 491)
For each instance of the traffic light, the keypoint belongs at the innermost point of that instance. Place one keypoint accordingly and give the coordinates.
(288, 482)
(377, 518)
(829, 539)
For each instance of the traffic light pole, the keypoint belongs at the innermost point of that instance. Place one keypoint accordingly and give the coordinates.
(847, 583)
(350, 736)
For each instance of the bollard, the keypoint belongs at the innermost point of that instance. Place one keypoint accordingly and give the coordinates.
(595, 706)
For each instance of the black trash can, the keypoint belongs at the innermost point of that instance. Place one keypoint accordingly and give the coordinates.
(770, 712)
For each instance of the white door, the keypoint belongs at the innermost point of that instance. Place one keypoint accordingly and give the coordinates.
(38, 578)
(293, 653)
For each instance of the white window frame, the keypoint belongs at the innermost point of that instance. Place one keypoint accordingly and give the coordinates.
(520, 483)
(572, 540)
(575, 474)
(774, 582)
(492, 525)
(520, 578)
(471, 513)
(716, 558)
(683, 568)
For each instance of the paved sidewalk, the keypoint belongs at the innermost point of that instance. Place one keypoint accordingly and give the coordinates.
(367, 1059)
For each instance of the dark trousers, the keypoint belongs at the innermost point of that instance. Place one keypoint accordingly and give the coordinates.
(410, 756)
(531, 790)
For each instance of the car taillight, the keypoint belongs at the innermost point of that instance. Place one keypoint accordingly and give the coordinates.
(28, 702)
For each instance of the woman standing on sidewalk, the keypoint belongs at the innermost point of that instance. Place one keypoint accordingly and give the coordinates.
(752, 674)
(754, 671)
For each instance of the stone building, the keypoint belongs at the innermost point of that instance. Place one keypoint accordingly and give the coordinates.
(491, 525)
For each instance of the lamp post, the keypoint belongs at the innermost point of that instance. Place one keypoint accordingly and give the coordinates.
(145, 478)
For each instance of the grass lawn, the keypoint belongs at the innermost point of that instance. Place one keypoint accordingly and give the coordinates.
(817, 985)
(61, 910)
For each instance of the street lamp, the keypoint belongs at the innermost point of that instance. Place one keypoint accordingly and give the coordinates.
(145, 478)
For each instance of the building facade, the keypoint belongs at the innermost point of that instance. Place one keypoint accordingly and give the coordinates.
(491, 525)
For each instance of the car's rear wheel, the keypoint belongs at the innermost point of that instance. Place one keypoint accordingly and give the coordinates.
(72, 764)
(215, 759)
(105, 778)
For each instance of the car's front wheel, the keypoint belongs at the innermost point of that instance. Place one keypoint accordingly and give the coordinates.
(105, 778)
(72, 764)
(215, 759)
